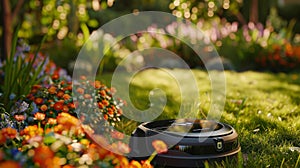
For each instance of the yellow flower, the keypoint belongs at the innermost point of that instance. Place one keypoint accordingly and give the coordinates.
(160, 146)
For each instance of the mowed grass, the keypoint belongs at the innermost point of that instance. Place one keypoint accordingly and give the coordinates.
(262, 107)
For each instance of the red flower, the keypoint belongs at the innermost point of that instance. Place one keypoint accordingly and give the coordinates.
(55, 76)
(58, 106)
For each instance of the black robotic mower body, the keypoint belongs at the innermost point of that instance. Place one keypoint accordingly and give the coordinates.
(190, 142)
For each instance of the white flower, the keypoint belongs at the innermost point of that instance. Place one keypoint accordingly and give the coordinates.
(76, 146)
(85, 159)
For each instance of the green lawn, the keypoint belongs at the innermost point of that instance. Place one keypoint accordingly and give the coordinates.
(262, 107)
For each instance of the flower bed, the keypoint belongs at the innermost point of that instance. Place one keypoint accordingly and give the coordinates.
(44, 129)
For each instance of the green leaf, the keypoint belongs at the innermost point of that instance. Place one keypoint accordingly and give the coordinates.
(49, 138)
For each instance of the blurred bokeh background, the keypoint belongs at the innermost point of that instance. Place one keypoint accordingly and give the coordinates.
(248, 34)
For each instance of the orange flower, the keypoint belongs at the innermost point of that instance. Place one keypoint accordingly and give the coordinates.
(80, 90)
(120, 147)
(100, 105)
(67, 120)
(52, 90)
(2, 138)
(71, 105)
(10, 164)
(83, 77)
(87, 96)
(19, 117)
(117, 135)
(43, 155)
(44, 107)
(38, 101)
(31, 131)
(105, 117)
(135, 164)
(102, 93)
(58, 106)
(102, 153)
(39, 116)
(288, 49)
(146, 164)
(97, 84)
(120, 111)
(105, 102)
(66, 96)
(65, 108)
(121, 162)
(160, 146)
(110, 111)
(52, 121)
(69, 87)
(59, 128)
(9, 132)
(60, 93)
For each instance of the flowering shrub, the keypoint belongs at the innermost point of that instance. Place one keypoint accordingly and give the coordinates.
(250, 46)
(284, 58)
(66, 143)
(45, 102)
(23, 70)
(46, 126)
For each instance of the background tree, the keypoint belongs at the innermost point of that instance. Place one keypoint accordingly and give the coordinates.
(234, 10)
(10, 11)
